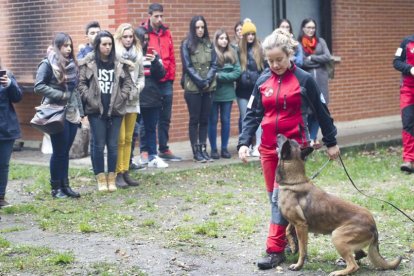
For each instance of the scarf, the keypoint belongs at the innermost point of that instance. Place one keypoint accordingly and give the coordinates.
(70, 76)
(130, 54)
(309, 44)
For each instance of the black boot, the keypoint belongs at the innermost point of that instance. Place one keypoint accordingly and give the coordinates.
(128, 179)
(57, 189)
(214, 154)
(197, 156)
(204, 153)
(225, 153)
(67, 190)
(3, 202)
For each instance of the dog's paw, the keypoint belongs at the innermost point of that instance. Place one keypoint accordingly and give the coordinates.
(295, 267)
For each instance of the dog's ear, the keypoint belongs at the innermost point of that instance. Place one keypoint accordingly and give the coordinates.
(305, 152)
(286, 152)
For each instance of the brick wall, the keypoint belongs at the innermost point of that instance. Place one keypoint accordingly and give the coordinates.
(365, 35)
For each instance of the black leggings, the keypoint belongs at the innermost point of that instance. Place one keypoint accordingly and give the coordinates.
(199, 106)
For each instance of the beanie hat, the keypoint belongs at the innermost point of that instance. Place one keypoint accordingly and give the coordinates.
(248, 27)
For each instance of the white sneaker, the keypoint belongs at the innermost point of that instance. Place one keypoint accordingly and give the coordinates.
(157, 163)
(255, 152)
(143, 159)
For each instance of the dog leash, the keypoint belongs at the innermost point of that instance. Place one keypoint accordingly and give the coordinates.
(320, 169)
(389, 203)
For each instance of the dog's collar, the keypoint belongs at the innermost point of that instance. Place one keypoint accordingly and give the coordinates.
(284, 183)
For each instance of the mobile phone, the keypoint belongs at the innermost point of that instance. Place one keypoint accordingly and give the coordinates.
(2, 73)
(150, 50)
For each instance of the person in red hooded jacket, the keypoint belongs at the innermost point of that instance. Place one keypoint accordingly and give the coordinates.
(404, 62)
(160, 40)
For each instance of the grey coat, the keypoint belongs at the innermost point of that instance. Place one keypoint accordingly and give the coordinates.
(55, 93)
(316, 66)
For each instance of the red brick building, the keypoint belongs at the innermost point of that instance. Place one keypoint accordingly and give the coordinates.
(364, 34)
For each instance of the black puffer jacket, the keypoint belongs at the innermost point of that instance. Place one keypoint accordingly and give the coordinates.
(248, 78)
(154, 71)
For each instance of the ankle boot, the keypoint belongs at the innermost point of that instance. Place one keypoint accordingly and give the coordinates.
(120, 182)
(67, 190)
(102, 182)
(225, 153)
(111, 182)
(57, 189)
(204, 153)
(128, 179)
(197, 156)
(3, 202)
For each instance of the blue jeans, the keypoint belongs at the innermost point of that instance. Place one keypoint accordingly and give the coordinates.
(199, 107)
(150, 116)
(105, 132)
(61, 144)
(166, 89)
(6, 148)
(313, 126)
(242, 103)
(224, 108)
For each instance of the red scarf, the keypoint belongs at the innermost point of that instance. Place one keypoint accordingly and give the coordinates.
(309, 44)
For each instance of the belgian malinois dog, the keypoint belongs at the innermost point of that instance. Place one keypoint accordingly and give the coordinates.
(310, 209)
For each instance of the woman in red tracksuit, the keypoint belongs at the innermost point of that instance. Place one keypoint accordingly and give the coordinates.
(279, 102)
(404, 62)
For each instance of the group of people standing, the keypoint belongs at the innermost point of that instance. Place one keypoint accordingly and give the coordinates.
(115, 81)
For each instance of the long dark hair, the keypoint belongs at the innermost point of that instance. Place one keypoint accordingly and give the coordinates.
(192, 38)
(58, 41)
(304, 22)
(287, 21)
(97, 43)
(140, 33)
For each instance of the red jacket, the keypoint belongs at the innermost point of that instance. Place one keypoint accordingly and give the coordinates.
(163, 44)
(281, 105)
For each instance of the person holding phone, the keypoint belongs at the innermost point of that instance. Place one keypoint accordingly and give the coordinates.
(151, 99)
(161, 41)
(9, 126)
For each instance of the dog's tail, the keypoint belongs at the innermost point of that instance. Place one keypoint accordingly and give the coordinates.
(376, 259)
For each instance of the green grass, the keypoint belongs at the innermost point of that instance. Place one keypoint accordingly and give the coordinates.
(197, 211)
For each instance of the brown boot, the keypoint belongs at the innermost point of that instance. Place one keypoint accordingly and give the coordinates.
(111, 182)
(129, 180)
(102, 182)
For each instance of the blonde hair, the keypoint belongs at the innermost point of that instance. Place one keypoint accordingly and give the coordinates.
(282, 39)
(224, 55)
(257, 53)
(118, 35)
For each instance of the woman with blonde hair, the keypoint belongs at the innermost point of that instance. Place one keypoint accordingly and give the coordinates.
(228, 71)
(252, 65)
(128, 49)
(280, 100)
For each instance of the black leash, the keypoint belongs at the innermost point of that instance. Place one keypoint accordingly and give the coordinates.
(350, 179)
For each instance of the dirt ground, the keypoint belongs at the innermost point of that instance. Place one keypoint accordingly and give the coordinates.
(150, 254)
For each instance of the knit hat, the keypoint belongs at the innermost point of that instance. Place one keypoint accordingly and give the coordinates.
(248, 27)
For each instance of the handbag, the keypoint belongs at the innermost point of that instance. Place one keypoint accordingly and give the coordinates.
(49, 118)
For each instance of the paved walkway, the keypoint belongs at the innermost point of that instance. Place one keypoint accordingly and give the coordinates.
(350, 134)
